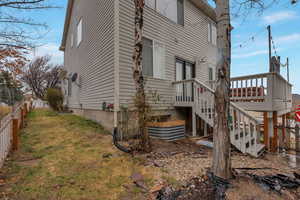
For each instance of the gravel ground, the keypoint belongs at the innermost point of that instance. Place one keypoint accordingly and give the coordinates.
(184, 160)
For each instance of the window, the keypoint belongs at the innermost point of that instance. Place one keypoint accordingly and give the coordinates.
(212, 33)
(72, 40)
(147, 57)
(151, 3)
(172, 9)
(184, 70)
(79, 32)
(153, 59)
(69, 86)
(210, 74)
(159, 60)
(180, 12)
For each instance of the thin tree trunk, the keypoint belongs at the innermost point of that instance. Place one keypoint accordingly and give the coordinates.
(140, 99)
(221, 165)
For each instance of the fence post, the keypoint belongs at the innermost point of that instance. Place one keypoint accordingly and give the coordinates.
(25, 109)
(22, 118)
(297, 134)
(15, 143)
(31, 106)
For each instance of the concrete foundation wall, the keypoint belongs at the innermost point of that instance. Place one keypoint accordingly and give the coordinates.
(106, 119)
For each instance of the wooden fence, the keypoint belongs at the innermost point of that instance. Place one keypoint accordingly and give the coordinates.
(9, 129)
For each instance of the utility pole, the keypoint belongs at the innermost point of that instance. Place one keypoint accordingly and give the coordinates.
(288, 69)
(270, 48)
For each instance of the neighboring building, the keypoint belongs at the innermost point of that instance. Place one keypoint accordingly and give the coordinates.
(98, 45)
(296, 100)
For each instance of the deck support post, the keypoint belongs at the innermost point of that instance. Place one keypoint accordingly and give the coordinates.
(287, 138)
(194, 131)
(266, 130)
(282, 143)
(274, 141)
(205, 128)
(22, 118)
(297, 134)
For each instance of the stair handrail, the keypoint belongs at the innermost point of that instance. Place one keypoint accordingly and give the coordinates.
(244, 112)
(204, 85)
(194, 80)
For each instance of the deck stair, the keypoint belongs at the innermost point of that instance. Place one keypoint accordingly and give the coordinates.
(244, 128)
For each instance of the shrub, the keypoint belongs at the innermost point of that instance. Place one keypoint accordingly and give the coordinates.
(55, 99)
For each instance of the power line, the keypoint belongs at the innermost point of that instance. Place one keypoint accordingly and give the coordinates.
(250, 39)
(274, 47)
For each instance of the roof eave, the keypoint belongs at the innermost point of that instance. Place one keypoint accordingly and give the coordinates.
(66, 26)
(201, 4)
(206, 9)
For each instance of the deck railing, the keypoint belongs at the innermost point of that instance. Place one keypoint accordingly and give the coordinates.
(268, 91)
(244, 128)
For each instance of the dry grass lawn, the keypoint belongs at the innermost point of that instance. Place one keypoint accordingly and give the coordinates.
(69, 158)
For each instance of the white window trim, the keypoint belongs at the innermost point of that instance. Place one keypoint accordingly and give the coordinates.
(72, 40)
(210, 35)
(153, 53)
(162, 15)
(164, 63)
(80, 22)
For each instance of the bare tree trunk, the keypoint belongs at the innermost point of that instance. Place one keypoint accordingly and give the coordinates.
(221, 165)
(140, 99)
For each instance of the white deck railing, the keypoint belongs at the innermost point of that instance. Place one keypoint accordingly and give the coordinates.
(243, 127)
(262, 92)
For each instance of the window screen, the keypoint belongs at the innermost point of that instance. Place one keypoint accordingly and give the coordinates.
(180, 12)
(150, 3)
(210, 74)
(147, 57)
(159, 61)
(168, 8)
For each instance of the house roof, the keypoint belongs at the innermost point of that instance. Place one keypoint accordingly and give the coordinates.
(201, 4)
(67, 24)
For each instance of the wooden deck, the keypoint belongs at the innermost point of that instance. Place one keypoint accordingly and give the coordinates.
(244, 129)
(262, 92)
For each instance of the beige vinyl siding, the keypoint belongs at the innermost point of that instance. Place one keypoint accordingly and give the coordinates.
(188, 42)
(93, 60)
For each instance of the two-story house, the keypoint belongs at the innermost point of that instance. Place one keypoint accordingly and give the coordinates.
(179, 43)
(179, 60)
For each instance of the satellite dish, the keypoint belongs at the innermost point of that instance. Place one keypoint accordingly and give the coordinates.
(74, 77)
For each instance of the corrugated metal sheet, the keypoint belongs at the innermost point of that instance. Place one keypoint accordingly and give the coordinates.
(167, 133)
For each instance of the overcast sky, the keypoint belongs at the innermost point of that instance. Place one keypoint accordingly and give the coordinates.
(250, 41)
